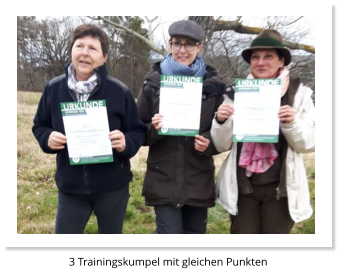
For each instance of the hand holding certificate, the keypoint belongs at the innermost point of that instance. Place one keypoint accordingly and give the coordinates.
(180, 105)
(87, 131)
(257, 102)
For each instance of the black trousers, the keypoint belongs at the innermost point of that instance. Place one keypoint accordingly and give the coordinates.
(73, 212)
(261, 212)
(180, 220)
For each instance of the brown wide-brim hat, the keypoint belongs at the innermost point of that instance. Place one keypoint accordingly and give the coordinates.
(268, 39)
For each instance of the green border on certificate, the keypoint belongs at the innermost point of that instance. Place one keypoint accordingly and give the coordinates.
(86, 127)
(180, 105)
(255, 138)
(256, 103)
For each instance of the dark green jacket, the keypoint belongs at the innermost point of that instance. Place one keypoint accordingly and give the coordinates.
(177, 174)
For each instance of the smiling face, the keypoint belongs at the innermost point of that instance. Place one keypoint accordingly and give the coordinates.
(87, 55)
(184, 56)
(265, 63)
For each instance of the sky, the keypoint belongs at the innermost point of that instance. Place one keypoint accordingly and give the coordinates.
(161, 24)
(322, 13)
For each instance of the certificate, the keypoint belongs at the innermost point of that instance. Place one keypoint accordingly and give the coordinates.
(180, 105)
(87, 131)
(256, 104)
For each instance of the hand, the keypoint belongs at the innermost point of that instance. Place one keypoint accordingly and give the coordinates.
(201, 143)
(118, 140)
(286, 114)
(156, 120)
(224, 112)
(56, 141)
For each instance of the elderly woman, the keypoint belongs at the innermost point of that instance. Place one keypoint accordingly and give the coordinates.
(103, 187)
(272, 200)
(179, 182)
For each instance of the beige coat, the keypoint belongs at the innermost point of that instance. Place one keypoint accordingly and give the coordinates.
(300, 135)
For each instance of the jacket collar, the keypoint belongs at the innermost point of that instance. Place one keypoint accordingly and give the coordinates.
(101, 71)
(292, 90)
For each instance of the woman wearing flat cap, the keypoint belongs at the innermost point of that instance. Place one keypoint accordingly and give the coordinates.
(264, 186)
(179, 181)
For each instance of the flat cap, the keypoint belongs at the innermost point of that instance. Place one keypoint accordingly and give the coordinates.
(187, 28)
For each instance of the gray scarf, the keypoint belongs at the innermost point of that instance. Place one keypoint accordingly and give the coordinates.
(82, 89)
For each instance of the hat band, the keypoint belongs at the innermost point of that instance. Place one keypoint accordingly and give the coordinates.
(266, 42)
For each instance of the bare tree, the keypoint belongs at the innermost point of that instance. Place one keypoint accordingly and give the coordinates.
(43, 50)
(132, 32)
(51, 47)
(43, 47)
(211, 25)
(226, 38)
(25, 65)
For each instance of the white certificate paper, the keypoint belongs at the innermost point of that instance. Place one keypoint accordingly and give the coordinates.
(180, 105)
(87, 131)
(256, 104)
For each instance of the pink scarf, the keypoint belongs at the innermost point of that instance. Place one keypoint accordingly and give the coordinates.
(259, 157)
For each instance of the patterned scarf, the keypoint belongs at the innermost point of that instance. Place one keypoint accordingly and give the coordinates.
(259, 157)
(171, 67)
(82, 89)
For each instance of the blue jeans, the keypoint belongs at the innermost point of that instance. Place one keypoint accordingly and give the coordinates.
(73, 212)
(180, 220)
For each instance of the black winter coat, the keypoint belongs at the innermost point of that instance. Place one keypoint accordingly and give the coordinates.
(177, 174)
(122, 115)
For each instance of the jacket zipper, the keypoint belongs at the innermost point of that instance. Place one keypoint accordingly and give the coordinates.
(119, 161)
(277, 193)
(86, 179)
(181, 202)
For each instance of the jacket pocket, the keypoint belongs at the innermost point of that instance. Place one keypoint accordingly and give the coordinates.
(200, 178)
(158, 180)
(160, 169)
(202, 163)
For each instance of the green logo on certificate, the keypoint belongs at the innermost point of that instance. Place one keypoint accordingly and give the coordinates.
(164, 130)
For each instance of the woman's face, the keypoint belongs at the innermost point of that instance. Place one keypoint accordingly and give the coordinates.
(87, 55)
(265, 63)
(184, 56)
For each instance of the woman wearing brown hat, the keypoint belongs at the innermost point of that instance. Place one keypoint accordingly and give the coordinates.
(179, 181)
(272, 200)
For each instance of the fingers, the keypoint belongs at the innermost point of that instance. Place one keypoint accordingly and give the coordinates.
(224, 112)
(118, 140)
(201, 143)
(157, 121)
(56, 141)
(286, 114)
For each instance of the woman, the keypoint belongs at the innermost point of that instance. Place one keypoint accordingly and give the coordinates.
(271, 201)
(102, 188)
(179, 182)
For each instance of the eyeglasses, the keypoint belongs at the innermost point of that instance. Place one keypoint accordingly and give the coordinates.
(189, 46)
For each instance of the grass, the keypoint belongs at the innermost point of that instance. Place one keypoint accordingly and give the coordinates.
(37, 192)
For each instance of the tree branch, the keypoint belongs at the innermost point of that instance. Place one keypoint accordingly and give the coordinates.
(127, 30)
(219, 25)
